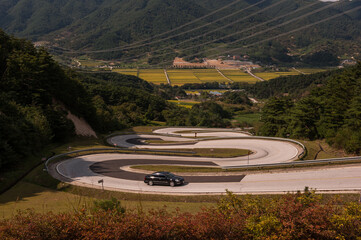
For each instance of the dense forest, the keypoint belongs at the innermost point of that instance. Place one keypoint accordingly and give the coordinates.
(103, 24)
(294, 86)
(331, 112)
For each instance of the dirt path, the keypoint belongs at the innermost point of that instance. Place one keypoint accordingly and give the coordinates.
(250, 73)
(82, 128)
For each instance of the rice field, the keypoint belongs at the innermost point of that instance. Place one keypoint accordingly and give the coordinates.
(209, 75)
(133, 72)
(239, 76)
(183, 76)
(271, 75)
(311, 70)
(155, 76)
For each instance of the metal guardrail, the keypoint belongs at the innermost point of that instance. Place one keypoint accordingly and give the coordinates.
(298, 163)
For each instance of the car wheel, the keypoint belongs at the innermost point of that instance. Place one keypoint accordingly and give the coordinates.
(171, 184)
(150, 183)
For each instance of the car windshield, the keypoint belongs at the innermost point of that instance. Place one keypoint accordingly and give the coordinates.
(170, 175)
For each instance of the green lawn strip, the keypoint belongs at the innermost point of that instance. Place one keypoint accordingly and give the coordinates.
(211, 152)
(177, 169)
(160, 142)
(201, 131)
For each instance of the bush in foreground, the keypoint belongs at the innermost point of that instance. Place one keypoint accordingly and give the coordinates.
(292, 216)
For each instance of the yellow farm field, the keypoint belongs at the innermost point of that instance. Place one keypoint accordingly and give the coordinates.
(271, 75)
(209, 75)
(133, 72)
(311, 70)
(185, 104)
(155, 76)
(239, 76)
(181, 77)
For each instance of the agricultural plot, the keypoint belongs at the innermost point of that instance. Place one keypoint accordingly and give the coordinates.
(181, 77)
(133, 72)
(311, 70)
(209, 75)
(239, 76)
(271, 75)
(185, 104)
(155, 76)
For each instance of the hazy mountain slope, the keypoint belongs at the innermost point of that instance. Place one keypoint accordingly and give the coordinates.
(102, 24)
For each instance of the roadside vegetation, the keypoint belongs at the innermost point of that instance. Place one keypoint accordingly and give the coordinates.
(331, 112)
(291, 216)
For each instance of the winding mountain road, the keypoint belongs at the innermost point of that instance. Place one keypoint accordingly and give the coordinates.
(115, 171)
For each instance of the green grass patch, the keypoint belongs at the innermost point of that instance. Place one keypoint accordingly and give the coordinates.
(249, 118)
(177, 169)
(26, 196)
(328, 152)
(185, 104)
(216, 152)
(160, 142)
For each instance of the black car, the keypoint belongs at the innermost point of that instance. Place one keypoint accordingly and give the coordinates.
(163, 178)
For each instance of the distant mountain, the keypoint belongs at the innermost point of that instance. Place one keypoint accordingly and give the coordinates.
(103, 24)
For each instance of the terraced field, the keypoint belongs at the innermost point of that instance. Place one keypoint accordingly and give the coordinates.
(239, 76)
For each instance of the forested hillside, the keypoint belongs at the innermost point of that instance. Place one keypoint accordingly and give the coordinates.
(103, 24)
(36, 93)
(294, 86)
(331, 112)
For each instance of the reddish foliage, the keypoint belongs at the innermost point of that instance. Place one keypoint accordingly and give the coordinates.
(298, 216)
